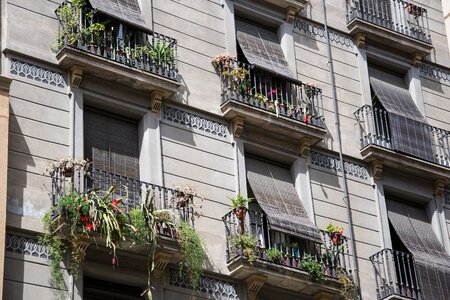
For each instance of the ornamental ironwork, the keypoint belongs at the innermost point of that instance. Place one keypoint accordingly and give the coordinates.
(319, 30)
(220, 289)
(25, 245)
(435, 72)
(333, 163)
(34, 72)
(182, 117)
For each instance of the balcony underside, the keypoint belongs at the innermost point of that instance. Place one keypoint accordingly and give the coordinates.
(112, 71)
(379, 35)
(267, 121)
(403, 162)
(292, 279)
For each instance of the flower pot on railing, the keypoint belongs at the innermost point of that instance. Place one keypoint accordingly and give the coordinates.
(67, 171)
(336, 238)
(240, 213)
(183, 199)
(413, 10)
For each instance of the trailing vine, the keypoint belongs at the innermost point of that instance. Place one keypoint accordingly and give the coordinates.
(193, 253)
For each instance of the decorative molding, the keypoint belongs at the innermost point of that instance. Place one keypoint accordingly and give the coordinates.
(238, 126)
(220, 289)
(333, 163)
(377, 169)
(156, 99)
(290, 14)
(360, 40)
(41, 74)
(25, 245)
(439, 186)
(161, 261)
(435, 72)
(254, 284)
(182, 117)
(318, 30)
(447, 198)
(76, 75)
(417, 59)
(305, 147)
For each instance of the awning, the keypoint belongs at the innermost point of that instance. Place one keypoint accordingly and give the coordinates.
(409, 130)
(262, 48)
(274, 191)
(432, 262)
(127, 11)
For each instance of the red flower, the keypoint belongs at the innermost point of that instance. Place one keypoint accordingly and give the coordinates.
(84, 200)
(89, 226)
(83, 219)
(136, 230)
(115, 201)
(307, 119)
(113, 261)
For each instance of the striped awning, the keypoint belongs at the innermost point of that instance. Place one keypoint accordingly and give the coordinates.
(432, 262)
(126, 10)
(274, 190)
(262, 48)
(410, 132)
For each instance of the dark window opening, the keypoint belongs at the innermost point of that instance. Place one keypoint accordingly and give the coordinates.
(96, 289)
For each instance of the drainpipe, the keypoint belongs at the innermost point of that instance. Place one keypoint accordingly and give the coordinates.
(341, 160)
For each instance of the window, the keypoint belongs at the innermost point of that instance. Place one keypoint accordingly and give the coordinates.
(96, 289)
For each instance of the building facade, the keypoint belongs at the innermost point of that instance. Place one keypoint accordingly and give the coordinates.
(323, 112)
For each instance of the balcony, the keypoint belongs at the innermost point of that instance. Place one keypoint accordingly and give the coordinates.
(134, 193)
(292, 268)
(377, 145)
(277, 105)
(395, 275)
(109, 48)
(395, 23)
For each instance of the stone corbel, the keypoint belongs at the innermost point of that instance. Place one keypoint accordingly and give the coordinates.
(156, 98)
(238, 126)
(377, 169)
(161, 261)
(290, 14)
(439, 186)
(417, 59)
(305, 147)
(76, 75)
(360, 40)
(254, 284)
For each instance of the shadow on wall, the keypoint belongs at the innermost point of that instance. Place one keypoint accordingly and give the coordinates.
(183, 92)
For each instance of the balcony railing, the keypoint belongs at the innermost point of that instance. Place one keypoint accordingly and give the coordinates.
(395, 274)
(117, 41)
(396, 15)
(133, 192)
(334, 259)
(265, 91)
(375, 130)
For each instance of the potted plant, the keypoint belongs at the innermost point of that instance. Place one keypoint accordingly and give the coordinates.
(274, 255)
(66, 166)
(239, 205)
(310, 89)
(222, 61)
(413, 10)
(247, 245)
(313, 267)
(335, 234)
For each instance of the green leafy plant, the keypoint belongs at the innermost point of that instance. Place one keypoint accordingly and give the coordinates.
(161, 52)
(69, 15)
(193, 253)
(274, 255)
(247, 244)
(239, 79)
(332, 228)
(313, 267)
(240, 201)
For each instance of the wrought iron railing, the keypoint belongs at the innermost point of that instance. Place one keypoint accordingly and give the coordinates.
(375, 130)
(278, 95)
(396, 15)
(118, 41)
(333, 258)
(133, 192)
(395, 274)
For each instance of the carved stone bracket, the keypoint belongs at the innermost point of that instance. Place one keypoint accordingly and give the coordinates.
(238, 126)
(156, 98)
(417, 59)
(254, 283)
(360, 40)
(305, 147)
(290, 14)
(377, 169)
(439, 186)
(76, 75)
(161, 261)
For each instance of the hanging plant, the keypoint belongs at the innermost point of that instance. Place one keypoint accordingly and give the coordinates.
(193, 253)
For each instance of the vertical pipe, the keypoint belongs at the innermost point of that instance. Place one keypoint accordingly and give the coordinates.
(341, 159)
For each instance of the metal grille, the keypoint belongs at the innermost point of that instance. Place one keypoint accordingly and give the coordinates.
(274, 190)
(111, 144)
(26, 246)
(432, 262)
(126, 10)
(262, 48)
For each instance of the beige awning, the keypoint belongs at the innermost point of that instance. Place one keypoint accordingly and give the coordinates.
(127, 11)
(274, 190)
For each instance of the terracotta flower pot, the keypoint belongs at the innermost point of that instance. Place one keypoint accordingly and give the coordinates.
(336, 238)
(240, 212)
(67, 171)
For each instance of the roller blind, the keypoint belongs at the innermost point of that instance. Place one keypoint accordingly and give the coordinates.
(262, 48)
(125, 10)
(274, 190)
(432, 262)
(111, 143)
(409, 130)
